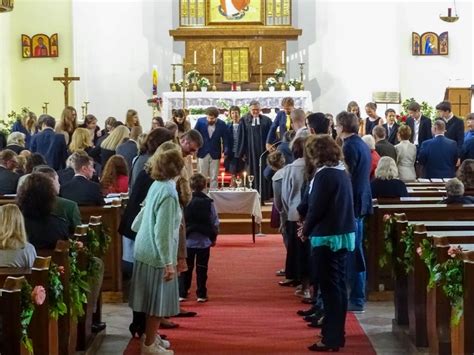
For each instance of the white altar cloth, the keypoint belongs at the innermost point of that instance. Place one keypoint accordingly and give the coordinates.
(200, 99)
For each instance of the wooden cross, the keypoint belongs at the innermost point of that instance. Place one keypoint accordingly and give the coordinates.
(66, 80)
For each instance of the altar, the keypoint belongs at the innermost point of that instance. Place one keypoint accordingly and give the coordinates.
(221, 99)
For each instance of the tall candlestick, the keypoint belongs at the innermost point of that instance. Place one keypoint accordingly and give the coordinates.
(301, 57)
(245, 179)
(222, 179)
(282, 57)
(195, 58)
(214, 56)
(260, 57)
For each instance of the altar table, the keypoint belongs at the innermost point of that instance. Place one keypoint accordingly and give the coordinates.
(200, 99)
(238, 202)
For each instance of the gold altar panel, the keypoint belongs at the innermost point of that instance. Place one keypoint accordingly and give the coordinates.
(235, 65)
(242, 12)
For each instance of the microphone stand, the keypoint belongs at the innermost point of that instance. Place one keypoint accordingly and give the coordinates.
(260, 234)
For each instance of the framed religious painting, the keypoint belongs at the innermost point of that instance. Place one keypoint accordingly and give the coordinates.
(241, 12)
(429, 44)
(39, 46)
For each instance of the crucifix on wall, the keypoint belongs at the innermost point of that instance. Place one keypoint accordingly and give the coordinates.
(66, 80)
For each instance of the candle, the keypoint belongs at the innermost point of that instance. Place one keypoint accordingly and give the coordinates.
(301, 56)
(260, 60)
(449, 12)
(222, 179)
(245, 178)
(282, 57)
(214, 56)
(195, 58)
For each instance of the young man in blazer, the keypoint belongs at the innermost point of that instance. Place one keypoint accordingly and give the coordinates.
(454, 125)
(282, 122)
(214, 135)
(420, 125)
(391, 127)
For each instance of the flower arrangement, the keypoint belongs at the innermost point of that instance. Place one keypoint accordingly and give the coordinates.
(29, 298)
(408, 240)
(280, 73)
(203, 82)
(452, 272)
(192, 75)
(295, 83)
(388, 228)
(271, 82)
(7, 123)
(57, 307)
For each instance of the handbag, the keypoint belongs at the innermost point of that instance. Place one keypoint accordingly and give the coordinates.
(137, 222)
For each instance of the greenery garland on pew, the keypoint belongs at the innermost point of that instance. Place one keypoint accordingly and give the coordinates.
(98, 243)
(29, 298)
(408, 239)
(388, 228)
(426, 251)
(57, 307)
(452, 275)
(78, 286)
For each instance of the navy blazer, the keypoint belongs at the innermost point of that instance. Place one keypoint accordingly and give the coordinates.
(229, 146)
(438, 157)
(52, 146)
(392, 136)
(279, 121)
(82, 191)
(359, 160)
(467, 151)
(424, 132)
(211, 145)
(455, 131)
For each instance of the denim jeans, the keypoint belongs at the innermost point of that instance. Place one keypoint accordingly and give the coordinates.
(356, 274)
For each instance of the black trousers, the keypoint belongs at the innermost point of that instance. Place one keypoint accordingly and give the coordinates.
(291, 263)
(331, 270)
(200, 257)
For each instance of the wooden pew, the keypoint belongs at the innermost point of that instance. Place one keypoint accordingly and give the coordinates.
(425, 322)
(10, 309)
(375, 242)
(462, 341)
(40, 331)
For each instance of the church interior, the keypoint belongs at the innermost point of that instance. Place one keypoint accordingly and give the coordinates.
(311, 161)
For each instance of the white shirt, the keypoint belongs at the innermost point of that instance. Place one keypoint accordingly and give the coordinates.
(211, 129)
(417, 129)
(256, 121)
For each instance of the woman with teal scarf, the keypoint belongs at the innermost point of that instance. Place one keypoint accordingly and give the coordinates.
(330, 225)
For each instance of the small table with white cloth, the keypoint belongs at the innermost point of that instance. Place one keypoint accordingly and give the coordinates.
(238, 202)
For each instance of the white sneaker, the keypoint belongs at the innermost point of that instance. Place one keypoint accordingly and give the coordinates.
(202, 300)
(182, 299)
(155, 349)
(158, 341)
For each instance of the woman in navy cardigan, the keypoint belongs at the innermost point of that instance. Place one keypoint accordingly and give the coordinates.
(330, 224)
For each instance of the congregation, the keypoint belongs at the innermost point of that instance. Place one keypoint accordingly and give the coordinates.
(300, 160)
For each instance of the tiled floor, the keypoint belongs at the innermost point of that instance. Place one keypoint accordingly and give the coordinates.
(376, 321)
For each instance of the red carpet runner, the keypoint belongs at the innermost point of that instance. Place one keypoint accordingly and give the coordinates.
(247, 312)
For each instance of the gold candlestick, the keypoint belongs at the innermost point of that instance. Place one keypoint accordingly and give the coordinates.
(260, 87)
(45, 107)
(301, 75)
(173, 84)
(214, 88)
(86, 104)
(283, 86)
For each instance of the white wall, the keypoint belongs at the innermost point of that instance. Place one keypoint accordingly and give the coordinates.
(5, 77)
(351, 48)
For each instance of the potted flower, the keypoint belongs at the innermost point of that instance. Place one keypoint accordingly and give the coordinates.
(271, 83)
(280, 74)
(293, 84)
(192, 76)
(203, 83)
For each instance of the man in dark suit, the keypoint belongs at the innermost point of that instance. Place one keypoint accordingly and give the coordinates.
(282, 122)
(382, 146)
(391, 127)
(420, 125)
(454, 125)
(214, 135)
(467, 151)
(50, 144)
(439, 154)
(8, 177)
(80, 189)
(129, 148)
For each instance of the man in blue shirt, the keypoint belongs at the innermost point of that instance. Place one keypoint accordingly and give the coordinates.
(282, 122)
(214, 135)
(470, 127)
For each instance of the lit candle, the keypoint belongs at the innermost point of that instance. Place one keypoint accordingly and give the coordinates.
(245, 178)
(222, 179)
(260, 60)
(214, 56)
(282, 57)
(195, 58)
